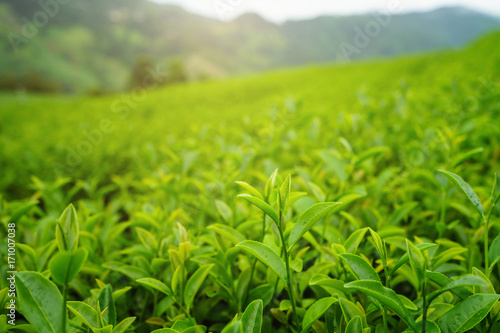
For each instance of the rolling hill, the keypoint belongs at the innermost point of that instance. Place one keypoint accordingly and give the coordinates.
(93, 45)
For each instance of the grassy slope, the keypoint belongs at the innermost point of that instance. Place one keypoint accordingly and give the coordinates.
(50, 124)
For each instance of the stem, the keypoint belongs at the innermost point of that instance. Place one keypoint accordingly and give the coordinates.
(255, 260)
(64, 311)
(424, 309)
(486, 231)
(385, 319)
(288, 273)
(486, 259)
(183, 309)
(388, 285)
(443, 207)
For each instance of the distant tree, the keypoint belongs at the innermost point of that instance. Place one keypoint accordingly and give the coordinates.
(140, 70)
(176, 71)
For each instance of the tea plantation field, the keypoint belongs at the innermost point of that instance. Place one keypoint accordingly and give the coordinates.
(349, 198)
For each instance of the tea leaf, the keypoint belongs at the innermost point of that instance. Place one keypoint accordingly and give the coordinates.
(308, 219)
(404, 259)
(236, 327)
(147, 238)
(494, 254)
(284, 192)
(67, 230)
(384, 295)
(124, 325)
(250, 189)
(467, 280)
(467, 155)
(84, 312)
(266, 255)
(155, 284)
(252, 317)
(315, 311)
(355, 325)
(21, 211)
(350, 311)
(468, 191)
(106, 301)
(224, 210)
(64, 266)
(194, 283)
(265, 207)
(352, 243)
(361, 269)
(417, 262)
(467, 314)
(41, 302)
(379, 244)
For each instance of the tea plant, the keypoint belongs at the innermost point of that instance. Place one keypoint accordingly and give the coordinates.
(383, 216)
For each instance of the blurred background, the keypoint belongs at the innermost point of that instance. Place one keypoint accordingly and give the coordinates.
(99, 47)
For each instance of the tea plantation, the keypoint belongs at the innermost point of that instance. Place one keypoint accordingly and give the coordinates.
(349, 198)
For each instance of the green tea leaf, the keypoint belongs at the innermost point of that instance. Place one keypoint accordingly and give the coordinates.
(250, 189)
(266, 255)
(494, 252)
(284, 192)
(106, 301)
(64, 266)
(224, 210)
(41, 302)
(488, 287)
(236, 327)
(155, 284)
(467, 314)
(84, 312)
(404, 259)
(262, 205)
(417, 262)
(308, 219)
(21, 211)
(379, 244)
(443, 280)
(263, 292)
(106, 329)
(132, 272)
(467, 280)
(315, 311)
(147, 238)
(194, 283)
(355, 325)
(468, 191)
(252, 317)
(467, 155)
(227, 232)
(361, 269)
(352, 243)
(384, 295)
(124, 325)
(270, 183)
(447, 255)
(67, 230)
(350, 311)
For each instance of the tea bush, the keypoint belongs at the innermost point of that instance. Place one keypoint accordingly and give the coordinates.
(366, 203)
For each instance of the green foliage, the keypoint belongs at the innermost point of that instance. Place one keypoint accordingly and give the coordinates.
(356, 231)
(64, 266)
(41, 302)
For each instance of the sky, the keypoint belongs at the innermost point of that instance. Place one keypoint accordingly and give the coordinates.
(282, 10)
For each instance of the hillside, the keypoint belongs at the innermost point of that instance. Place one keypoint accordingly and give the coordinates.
(118, 33)
(298, 200)
(413, 91)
